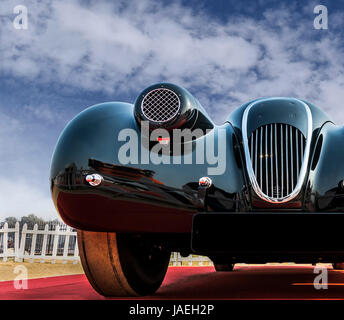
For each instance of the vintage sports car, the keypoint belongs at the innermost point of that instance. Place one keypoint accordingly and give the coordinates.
(267, 185)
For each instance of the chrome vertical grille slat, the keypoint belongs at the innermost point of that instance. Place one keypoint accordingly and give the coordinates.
(282, 160)
(276, 168)
(252, 159)
(260, 158)
(292, 146)
(266, 162)
(276, 161)
(301, 147)
(297, 154)
(256, 154)
(271, 164)
(287, 158)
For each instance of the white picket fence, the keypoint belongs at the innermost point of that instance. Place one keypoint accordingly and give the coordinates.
(19, 253)
(191, 260)
(33, 251)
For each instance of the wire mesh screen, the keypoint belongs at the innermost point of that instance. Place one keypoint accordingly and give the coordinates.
(160, 105)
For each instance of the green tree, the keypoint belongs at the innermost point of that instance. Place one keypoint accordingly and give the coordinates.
(11, 221)
(31, 220)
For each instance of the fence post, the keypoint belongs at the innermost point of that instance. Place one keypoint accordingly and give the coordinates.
(175, 259)
(44, 245)
(5, 241)
(33, 243)
(190, 260)
(33, 251)
(22, 244)
(66, 245)
(56, 239)
(76, 251)
(16, 242)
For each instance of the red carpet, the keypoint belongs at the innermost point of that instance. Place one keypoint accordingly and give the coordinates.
(245, 282)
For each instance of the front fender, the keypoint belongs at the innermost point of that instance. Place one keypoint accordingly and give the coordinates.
(325, 191)
(92, 134)
(139, 197)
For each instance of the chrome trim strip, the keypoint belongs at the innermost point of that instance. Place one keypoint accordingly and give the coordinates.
(303, 170)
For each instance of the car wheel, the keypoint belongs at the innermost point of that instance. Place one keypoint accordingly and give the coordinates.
(338, 265)
(224, 266)
(122, 264)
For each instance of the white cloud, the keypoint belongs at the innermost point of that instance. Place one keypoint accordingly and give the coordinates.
(24, 187)
(41, 112)
(21, 198)
(121, 47)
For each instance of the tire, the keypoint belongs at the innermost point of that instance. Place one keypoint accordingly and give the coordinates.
(224, 266)
(338, 265)
(121, 264)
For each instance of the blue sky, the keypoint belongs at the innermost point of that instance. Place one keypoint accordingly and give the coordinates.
(79, 53)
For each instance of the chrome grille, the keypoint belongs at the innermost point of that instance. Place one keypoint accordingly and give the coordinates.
(160, 105)
(276, 153)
